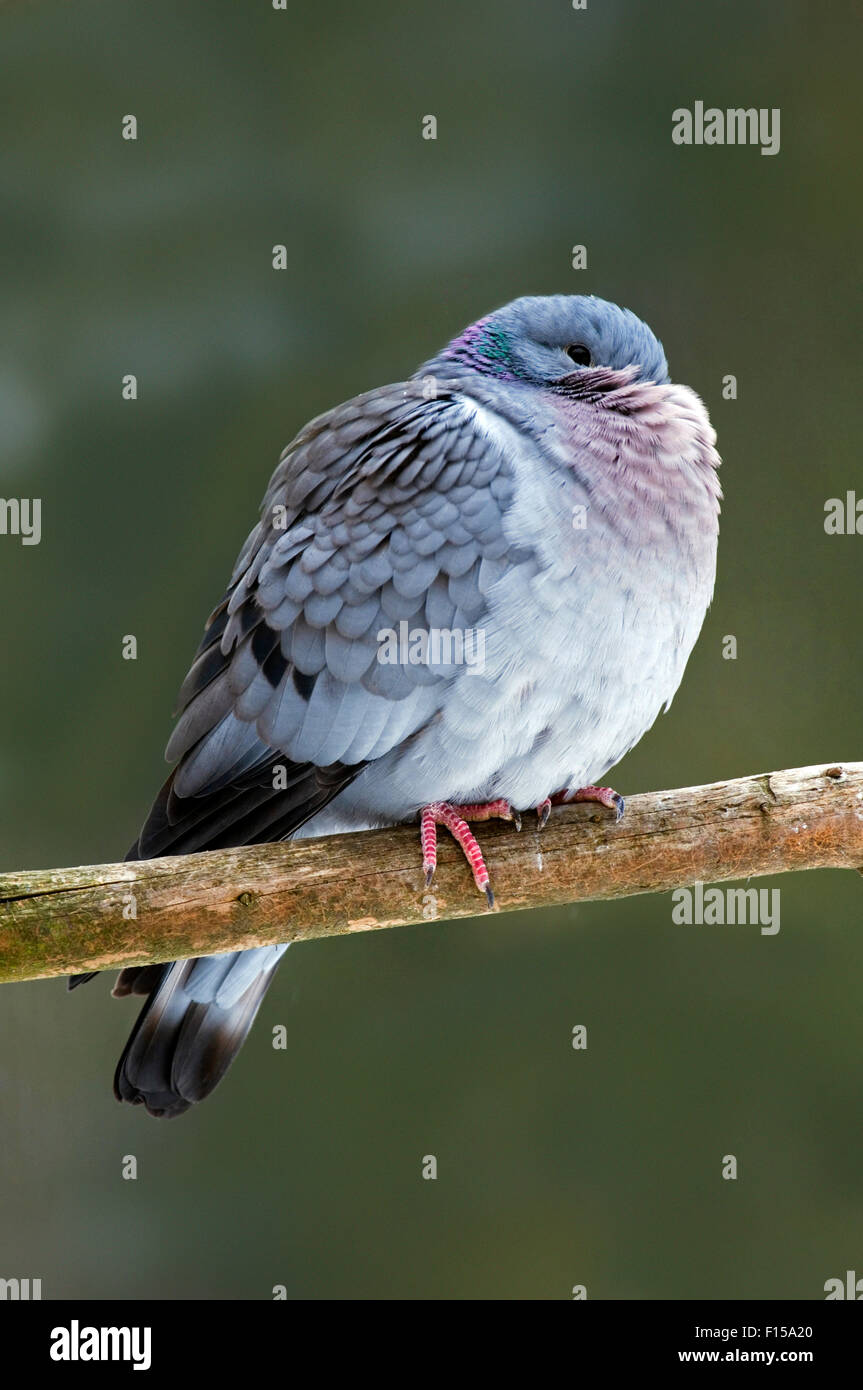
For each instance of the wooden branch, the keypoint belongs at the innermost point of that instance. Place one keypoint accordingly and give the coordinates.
(59, 921)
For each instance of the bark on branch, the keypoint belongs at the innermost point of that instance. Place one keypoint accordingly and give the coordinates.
(60, 921)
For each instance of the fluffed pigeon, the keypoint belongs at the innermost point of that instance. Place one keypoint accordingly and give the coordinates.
(540, 492)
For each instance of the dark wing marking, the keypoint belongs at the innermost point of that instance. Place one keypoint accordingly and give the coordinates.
(388, 508)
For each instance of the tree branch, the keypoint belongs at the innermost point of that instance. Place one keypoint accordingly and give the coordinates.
(59, 921)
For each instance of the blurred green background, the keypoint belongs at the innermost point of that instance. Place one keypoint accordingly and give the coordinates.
(259, 127)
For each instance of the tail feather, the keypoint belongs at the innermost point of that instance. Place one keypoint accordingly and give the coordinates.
(192, 1026)
(197, 1012)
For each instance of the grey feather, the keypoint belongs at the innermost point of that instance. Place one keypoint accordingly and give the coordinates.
(455, 513)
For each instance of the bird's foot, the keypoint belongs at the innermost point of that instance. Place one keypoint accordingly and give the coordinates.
(605, 796)
(456, 818)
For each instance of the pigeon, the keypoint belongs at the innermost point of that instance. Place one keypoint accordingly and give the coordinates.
(468, 595)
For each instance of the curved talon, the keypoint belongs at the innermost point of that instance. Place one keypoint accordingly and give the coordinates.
(543, 811)
(604, 796)
(456, 818)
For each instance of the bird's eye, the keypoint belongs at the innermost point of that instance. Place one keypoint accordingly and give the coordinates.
(579, 354)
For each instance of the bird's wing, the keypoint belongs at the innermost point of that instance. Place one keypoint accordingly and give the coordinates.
(388, 508)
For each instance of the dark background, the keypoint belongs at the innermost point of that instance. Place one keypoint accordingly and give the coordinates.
(302, 127)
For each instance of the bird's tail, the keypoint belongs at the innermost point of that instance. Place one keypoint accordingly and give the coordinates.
(192, 1026)
(197, 1012)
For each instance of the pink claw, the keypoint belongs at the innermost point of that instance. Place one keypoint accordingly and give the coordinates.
(605, 796)
(456, 818)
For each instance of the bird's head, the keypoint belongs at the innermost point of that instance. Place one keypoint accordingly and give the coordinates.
(544, 339)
